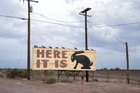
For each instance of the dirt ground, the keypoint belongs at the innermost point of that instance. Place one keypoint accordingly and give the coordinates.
(36, 86)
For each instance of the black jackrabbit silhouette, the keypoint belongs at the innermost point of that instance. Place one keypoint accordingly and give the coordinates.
(82, 59)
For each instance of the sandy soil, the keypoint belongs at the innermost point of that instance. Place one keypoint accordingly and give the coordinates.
(25, 86)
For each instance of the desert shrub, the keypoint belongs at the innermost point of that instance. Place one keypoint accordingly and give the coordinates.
(11, 73)
(14, 73)
(104, 68)
(51, 80)
(117, 68)
(64, 80)
(22, 74)
(50, 73)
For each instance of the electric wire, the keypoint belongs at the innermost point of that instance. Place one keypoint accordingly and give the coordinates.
(118, 39)
(56, 19)
(123, 24)
(23, 18)
(56, 23)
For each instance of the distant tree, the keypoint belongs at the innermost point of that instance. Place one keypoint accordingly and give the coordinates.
(104, 69)
(117, 68)
(111, 69)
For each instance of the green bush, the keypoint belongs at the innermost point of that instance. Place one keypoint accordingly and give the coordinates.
(51, 80)
(11, 73)
(23, 74)
(104, 68)
(117, 68)
(14, 73)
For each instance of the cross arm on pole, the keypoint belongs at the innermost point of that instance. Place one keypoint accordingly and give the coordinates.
(33, 1)
(85, 10)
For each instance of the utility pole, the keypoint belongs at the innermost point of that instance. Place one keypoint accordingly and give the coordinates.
(127, 62)
(28, 38)
(86, 38)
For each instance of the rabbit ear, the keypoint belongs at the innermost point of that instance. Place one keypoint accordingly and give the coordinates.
(79, 52)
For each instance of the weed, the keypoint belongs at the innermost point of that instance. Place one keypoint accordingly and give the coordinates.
(14, 73)
(50, 80)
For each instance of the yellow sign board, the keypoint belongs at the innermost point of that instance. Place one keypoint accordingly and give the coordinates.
(63, 59)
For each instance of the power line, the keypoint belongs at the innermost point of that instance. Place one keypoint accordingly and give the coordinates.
(124, 24)
(56, 19)
(56, 23)
(118, 39)
(22, 18)
(95, 25)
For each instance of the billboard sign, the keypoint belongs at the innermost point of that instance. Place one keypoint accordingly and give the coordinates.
(63, 59)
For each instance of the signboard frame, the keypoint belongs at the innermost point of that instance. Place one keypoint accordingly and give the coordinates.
(63, 59)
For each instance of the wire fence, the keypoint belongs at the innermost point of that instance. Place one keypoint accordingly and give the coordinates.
(116, 76)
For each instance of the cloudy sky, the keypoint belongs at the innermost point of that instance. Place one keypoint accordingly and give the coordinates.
(57, 23)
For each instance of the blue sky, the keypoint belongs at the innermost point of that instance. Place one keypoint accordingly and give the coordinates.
(112, 23)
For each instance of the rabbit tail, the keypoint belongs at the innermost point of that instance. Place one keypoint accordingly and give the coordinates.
(91, 63)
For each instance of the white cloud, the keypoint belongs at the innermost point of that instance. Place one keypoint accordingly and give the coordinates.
(110, 58)
(107, 33)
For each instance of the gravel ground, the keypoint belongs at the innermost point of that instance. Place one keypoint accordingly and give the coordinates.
(35, 86)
